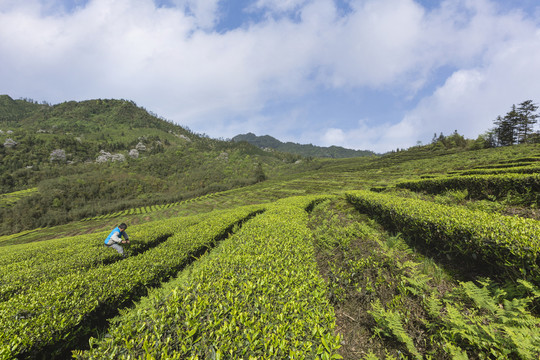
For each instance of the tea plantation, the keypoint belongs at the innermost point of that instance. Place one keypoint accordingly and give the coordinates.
(419, 254)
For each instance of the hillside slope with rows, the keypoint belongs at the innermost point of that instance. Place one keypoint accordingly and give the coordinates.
(408, 255)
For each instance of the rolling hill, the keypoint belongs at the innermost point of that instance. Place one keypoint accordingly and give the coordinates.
(97, 156)
(431, 252)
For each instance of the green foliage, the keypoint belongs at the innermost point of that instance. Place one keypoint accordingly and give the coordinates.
(482, 186)
(510, 244)
(448, 142)
(11, 110)
(451, 197)
(259, 294)
(520, 169)
(517, 126)
(27, 265)
(7, 200)
(177, 164)
(57, 313)
(428, 317)
(252, 298)
(481, 319)
(390, 324)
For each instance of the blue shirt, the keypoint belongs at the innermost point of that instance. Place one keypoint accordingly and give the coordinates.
(116, 236)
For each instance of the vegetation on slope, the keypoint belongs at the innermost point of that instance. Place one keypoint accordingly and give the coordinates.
(437, 270)
(78, 155)
(393, 302)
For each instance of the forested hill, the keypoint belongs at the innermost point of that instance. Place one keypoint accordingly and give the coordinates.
(15, 109)
(79, 118)
(306, 150)
(75, 159)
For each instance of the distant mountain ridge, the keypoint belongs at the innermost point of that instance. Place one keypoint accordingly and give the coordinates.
(306, 150)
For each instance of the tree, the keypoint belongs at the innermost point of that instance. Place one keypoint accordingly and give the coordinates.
(526, 120)
(456, 140)
(441, 137)
(497, 130)
(259, 173)
(506, 127)
(517, 126)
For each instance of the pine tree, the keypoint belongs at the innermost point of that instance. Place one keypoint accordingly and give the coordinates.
(526, 120)
(506, 127)
(498, 130)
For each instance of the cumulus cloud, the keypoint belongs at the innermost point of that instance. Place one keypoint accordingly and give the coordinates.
(334, 136)
(278, 6)
(470, 99)
(494, 56)
(379, 138)
(174, 61)
(373, 46)
(205, 12)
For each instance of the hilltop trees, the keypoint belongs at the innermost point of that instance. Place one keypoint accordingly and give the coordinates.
(526, 120)
(448, 142)
(516, 127)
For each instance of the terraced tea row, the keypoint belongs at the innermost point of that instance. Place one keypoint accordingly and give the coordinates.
(480, 186)
(531, 169)
(147, 209)
(391, 302)
(509, 244)
(7, 200)
(58, 313)
(25, 266)
(259, 295)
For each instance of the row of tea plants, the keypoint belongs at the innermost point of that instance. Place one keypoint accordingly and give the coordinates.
(54, 315)
(481, 186)
(259, 295)
(507, 244)
(391, 302)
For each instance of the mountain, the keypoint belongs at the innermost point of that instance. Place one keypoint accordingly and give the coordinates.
(70, 161)
(14, 109)
(308, 259)
(76, 159)
(305, 150)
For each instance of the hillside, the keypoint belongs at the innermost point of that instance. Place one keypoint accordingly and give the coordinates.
(305, 150)
(430, 252)
(79, 159)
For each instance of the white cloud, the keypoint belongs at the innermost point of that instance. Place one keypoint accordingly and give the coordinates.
(279, 6)
(205, 12)
(333, 136)
(365, 136)
(175, 64)
(471, 99)
(468, 102)
(499, 55)
(375, 45)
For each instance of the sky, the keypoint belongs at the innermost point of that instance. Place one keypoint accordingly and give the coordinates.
(363, 74)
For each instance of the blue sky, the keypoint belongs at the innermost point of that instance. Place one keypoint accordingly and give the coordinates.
(363, 74)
